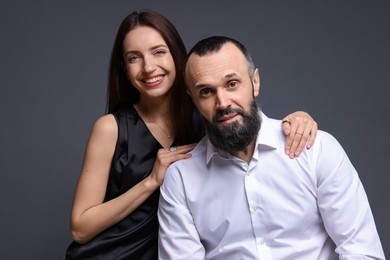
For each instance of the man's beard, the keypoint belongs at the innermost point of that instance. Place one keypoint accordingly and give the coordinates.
(234, 137)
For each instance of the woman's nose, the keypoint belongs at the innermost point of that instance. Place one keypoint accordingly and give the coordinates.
(149, 65)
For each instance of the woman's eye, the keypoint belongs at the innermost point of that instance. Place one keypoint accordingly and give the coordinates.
(132, 59)
(160, 52)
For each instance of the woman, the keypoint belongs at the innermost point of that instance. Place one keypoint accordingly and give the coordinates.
(150, 123)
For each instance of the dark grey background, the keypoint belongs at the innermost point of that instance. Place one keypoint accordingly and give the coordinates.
(330, 58)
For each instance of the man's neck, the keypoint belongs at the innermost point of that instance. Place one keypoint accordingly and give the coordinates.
(247, 153)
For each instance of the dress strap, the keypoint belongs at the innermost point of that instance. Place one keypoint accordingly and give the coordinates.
(121, 119)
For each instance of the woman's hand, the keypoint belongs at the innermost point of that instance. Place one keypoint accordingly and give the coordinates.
(301, 130)
(167, 156)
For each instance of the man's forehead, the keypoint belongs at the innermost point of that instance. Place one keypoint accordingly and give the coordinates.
(227, 61)
(210, 73)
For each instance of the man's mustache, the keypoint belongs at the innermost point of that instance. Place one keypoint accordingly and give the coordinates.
(222, 112)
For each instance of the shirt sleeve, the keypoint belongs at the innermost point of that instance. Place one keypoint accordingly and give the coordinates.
(343, 204)
(178, 237)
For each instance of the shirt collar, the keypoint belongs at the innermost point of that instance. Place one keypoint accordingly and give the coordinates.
(266, 137)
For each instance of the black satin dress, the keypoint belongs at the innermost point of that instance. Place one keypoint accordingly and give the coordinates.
(135, 237)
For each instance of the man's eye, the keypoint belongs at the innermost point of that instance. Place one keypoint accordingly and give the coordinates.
(205, 92)
(233, 84)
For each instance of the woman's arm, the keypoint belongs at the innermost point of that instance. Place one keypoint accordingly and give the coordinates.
(90, 215)
(301, 130)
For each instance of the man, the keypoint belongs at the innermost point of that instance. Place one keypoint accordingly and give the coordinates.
(239, 196)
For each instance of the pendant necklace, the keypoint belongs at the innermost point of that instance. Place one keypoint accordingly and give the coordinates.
(162, 129)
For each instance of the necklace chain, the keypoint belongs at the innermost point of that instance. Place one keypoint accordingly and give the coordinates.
(148, 118)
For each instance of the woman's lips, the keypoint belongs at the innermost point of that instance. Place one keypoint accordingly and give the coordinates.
(153, 81)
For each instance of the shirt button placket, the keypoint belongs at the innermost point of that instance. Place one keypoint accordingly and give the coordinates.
(263, 249)
(254, 209)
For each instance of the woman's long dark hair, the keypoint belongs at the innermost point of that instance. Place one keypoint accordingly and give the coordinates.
(121, 93)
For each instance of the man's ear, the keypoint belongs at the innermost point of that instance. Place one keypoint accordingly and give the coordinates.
(189, 93)
(256, 83)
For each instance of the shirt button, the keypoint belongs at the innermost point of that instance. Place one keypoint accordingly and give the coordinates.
(260, 242)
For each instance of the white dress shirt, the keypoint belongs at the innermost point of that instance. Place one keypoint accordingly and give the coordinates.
(216, 206)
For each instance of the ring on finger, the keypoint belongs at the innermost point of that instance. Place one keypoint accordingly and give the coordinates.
(298, 133)
(172, 149)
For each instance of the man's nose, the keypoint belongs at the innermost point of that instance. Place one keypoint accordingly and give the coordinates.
(223, 99)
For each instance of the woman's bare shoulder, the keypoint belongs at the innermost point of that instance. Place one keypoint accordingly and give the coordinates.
(106, 125)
